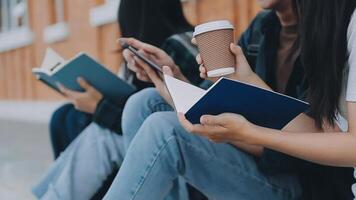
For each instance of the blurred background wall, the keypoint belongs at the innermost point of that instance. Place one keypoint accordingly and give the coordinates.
(28, 27)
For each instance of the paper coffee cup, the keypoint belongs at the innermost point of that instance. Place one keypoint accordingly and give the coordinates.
(213, 40)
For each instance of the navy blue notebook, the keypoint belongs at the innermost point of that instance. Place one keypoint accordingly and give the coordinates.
(259, 106)
(55, 69)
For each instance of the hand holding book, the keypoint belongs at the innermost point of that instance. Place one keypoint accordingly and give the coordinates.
(224, 128)
(86, 101)
(55, 69)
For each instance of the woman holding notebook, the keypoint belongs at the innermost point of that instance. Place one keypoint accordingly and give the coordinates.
(87, 166)
(328, 36)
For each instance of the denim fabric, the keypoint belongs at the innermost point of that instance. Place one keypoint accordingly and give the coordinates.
(82, 168)
(162, 150)
(65, 125)
(138, 107)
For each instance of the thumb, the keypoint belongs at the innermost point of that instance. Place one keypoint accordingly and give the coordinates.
(217, 120)
(194, 41)
(83, 84)
(167, 70)
(237, 51)
(223, 120)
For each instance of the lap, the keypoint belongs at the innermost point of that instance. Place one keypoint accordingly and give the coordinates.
(230, 166)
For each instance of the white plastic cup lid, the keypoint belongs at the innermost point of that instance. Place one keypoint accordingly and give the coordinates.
(212, 26)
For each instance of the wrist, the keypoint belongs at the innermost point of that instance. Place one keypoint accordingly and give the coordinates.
(257, 135)
(247, 78)
(266, 137)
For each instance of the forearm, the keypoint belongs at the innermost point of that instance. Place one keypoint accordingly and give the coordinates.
(251, 149)
(336, 149)
(252, 79)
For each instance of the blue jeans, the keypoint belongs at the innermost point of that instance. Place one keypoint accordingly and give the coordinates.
(94, 155)
(81, 169)
(65, 125)
(162, 150)
(139, 107)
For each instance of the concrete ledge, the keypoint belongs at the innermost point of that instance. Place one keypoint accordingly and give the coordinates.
(28, 111)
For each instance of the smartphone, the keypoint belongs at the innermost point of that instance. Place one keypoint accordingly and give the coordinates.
(153, 65)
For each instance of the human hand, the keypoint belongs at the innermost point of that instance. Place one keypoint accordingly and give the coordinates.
(157, 80)
(153, 53)
(243, 71)
(223, 128)
(86, 101)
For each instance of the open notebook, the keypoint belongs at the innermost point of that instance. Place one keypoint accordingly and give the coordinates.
(259, 106)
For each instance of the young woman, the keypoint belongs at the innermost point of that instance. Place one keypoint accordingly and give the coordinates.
(228, 171)
(172, 152)
(153, 22)
(329, 56)
(87, 165)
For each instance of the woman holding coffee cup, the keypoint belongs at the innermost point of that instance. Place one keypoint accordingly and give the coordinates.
(221, 171)
(328, 135)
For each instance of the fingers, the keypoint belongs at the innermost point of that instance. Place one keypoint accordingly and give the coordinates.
(213, 133)
(192, 128)
(194, 41)
(197, 128)
(203, 72)
(202, 69)
(198, 59)
(151, 74)
(133, 66)
(140, 45)
(211, 120)
(167, 70)
(67, 92)
(143, 77)
(128, 56)
(225, 119)
(83, 84)
(185, 123)
(239, 55)
(131, 63)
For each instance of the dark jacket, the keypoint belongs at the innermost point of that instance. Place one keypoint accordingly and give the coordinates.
(260, 45)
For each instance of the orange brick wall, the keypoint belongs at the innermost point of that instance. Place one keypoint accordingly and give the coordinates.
(16, 80)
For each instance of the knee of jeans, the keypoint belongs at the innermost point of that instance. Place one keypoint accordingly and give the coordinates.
(137, 104)
(140, 99)
(158, 127)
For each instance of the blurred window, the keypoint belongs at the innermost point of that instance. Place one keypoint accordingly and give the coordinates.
(14, 25)
(13, 15)
(104, 13)
(58, 29)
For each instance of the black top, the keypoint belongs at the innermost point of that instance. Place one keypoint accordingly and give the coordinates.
(260, 45)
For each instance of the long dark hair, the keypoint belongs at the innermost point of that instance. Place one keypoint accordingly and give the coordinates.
(323, 36)
(152, 21)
